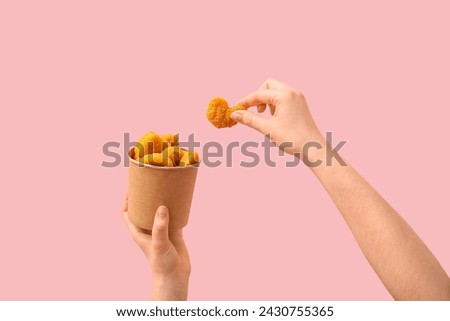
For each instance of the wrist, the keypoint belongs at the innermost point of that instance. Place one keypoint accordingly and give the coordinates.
(311, 149)
(170, 287)
(324, 156)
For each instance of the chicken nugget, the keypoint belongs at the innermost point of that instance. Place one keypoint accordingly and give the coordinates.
(156, 159)
(218, 112)
(174, 153)
(169, 140)
(148, 144)
(189, 158)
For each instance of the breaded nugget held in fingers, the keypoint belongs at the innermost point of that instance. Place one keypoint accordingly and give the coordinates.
(218, 113)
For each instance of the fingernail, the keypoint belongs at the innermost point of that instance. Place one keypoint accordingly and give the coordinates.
(236, 116)
(162, 211)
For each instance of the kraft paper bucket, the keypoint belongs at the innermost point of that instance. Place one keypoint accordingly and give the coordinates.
(151, 186)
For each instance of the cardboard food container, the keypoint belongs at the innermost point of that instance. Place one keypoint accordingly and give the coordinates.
(151, 186)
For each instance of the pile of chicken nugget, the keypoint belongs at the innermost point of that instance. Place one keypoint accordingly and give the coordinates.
(163, 150)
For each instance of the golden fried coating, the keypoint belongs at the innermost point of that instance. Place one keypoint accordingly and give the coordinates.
(169, 140)
(163, 150)
(218, 112)
(148, 144)
(156, 159)
(174, 153)
(189, 158)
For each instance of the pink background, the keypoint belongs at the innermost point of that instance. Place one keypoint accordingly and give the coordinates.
(76, 74)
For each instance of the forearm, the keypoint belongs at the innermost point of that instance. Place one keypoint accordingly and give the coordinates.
(402, 261)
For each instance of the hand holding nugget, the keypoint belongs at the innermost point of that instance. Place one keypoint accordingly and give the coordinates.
(291, 120)
(407, 268)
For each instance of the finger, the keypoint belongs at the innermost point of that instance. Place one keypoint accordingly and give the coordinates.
(251, 120)
(261, 97)
(271, 83)
(176, 237)
(261, 108)
(124, 212)
(160, 231)
(134, 230)
(272, 109)
(124, 207)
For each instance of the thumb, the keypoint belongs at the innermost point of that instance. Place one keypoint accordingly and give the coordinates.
(160, 231)
(251, 120)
